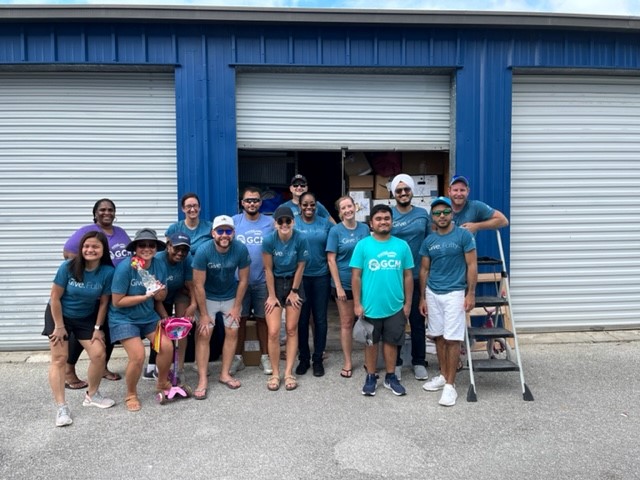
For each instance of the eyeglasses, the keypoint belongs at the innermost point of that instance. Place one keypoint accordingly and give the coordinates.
(191, 207)
(147, 245)
(224, 231)
(251, 200)
(308, 205)
(284, 220)
(437, 213)
(403, 190)
(184, 250)
(299, 185)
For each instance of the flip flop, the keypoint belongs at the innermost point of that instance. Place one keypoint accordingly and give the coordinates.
(132, 403)
(233, 383)
(114, 377)
(78, 385)
(200, 393)
(346, 373)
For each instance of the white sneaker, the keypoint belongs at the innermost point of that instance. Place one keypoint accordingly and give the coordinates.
(265, 363)
(449, 396)
(97, 401)
(435, 384)
(398, 372)
(63, 417)
(236, 365)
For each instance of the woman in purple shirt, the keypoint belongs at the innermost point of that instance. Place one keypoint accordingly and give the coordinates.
(104, 214)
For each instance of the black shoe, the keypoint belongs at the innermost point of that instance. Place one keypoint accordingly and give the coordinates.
(302, 367)
(318, 369)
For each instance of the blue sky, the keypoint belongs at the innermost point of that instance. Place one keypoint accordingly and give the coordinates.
(594, 7)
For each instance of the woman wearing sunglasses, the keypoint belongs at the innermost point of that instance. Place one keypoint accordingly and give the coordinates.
(132, 314)
(284, 253)
(316, 284)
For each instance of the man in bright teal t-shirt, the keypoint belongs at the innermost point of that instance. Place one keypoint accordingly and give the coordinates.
(382, 286)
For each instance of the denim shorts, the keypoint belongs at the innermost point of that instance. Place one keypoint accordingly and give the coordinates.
(254, 300)
(389, 329)
(124, 331)
(283, 288)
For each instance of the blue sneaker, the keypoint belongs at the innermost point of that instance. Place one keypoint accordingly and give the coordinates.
(370, 385)
(392, 383)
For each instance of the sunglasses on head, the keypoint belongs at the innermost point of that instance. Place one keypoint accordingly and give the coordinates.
(224, 231)
(437, 213)
(147, 245)
(284, 220)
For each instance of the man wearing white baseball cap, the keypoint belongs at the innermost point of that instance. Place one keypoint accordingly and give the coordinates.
(218, 290)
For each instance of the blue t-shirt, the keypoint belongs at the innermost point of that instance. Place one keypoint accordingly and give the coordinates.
(252, 233)
(221, 282)
(198, 235)
(383, 265)
(342, 241)
(286, 255)
(79, 298)
(474, 211)
(316, 234)
(177, 274)
(321, 210)
(412, 228)
(127, 281)
(448, 269)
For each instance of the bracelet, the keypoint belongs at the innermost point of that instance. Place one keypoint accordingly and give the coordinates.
(58, 328)
(97, 327)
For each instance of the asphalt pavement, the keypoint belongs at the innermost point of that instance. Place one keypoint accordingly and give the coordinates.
(583, 424)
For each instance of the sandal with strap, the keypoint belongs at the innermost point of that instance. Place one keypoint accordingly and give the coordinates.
(273, 384)
(132, 403)
(290, 382)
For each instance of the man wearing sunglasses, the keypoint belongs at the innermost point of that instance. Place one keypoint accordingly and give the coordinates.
(410, 223)
(251, 228)
(299, 186)
(217, 289)
(448, 276)
(473, 215)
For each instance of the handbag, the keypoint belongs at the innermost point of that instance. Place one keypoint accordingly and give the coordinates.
(363, 331)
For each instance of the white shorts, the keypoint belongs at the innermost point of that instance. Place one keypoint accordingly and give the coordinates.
(446, 315)
(224, 307)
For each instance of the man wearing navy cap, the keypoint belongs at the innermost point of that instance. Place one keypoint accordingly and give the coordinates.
(473, 215)
(448, 276)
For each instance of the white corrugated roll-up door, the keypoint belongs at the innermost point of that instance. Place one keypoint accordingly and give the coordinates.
(302, 111)
(575, 202)
(67, 140)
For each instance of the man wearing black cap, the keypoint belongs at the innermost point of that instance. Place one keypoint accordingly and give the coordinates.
(448, 276)
(297, 188)
(473, 215)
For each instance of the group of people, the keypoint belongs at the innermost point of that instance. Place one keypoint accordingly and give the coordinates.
(402, 266)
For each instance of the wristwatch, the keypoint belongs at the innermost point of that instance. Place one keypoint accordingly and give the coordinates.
(97, 327)
(295, 290)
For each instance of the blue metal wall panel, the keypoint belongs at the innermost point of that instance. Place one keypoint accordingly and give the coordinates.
(205, 81)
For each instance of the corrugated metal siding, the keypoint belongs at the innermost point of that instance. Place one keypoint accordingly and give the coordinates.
(575, 207)
(67, 140)
(330, 111)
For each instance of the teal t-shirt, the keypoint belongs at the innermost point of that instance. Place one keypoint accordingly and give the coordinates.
(474, 211)
(198, 235)
(127, 281)
(177, 274)
(412, 228)
(383, 265)
(221, 282)
(79, 298)
(342, 241)
(448, 269)
(286, 255)
(316, 234)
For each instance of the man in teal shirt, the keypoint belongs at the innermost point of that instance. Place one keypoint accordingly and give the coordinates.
(382, 286)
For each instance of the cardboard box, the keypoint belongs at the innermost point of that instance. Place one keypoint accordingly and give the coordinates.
(356, 164)
(361, 182)
(251, 353)
(362, 200)
(425, 163)
(381, 188)
(385, 201)
(426, 185)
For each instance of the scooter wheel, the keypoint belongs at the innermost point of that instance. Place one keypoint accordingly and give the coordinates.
(161, 398)
(188, 390)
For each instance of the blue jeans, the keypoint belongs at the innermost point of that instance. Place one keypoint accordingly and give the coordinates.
(418, 329)
(317, 291)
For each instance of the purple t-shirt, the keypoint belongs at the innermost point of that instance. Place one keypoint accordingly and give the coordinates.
(118, 242)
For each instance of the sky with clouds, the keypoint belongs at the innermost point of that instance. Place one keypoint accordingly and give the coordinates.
(592, 7)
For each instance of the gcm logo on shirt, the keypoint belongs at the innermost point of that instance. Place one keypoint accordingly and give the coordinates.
(391, 264)
(247, 240)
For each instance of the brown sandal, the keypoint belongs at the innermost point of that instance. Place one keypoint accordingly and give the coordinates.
(132, 403)
(273, 384)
